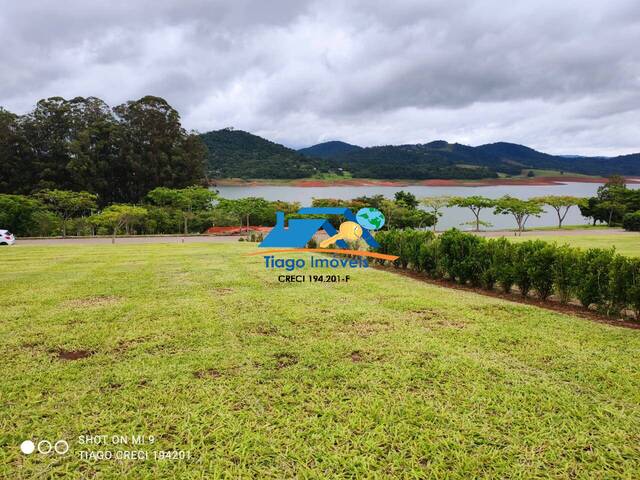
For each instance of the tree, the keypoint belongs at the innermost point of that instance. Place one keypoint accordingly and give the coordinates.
(259, 209)
(399, 215)
(120, 216)
(436, 204)
(156, 149)
(611, 197)
(407, 199)
(18, 213)
(475, 203)
(521, 210)
(83, 145)
(561, 204)
(188, 201)
(67, 204)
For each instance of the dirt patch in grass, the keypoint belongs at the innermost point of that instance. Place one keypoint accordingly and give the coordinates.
(215, 372)
(123, 345)
(111, 387)
(359, 356)
(284, 360)
(430, 318)
(72, 354)
(222, 291)
(447, 323)
(96, 301)
(265, 330)
(366, 329)
(208, 373)
(356, 356)
(426, 314)
(569, 309)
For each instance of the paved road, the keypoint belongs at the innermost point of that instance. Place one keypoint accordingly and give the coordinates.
(127, 240)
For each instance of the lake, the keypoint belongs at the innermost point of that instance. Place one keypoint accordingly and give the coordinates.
(452, 217)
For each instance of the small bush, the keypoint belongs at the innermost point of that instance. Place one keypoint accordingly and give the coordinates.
(631, 221)
(504, 258)
(541, 264)
(460, 256)
(565, 272)
(594, 278)
(634, 287)
(523, 264)
(620, 281)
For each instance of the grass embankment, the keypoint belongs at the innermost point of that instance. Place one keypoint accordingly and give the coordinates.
(204, 349)
(624, 243)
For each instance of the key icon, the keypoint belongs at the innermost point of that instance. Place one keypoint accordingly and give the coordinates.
(349, 231)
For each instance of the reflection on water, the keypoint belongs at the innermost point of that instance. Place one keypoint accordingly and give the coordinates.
(452, 217)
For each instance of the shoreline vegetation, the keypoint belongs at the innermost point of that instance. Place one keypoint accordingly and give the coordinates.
(370, 182)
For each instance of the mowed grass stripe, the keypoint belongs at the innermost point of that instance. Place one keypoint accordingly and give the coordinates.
(204, 348)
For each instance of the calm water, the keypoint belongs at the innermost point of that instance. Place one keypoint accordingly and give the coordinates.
(452, 217)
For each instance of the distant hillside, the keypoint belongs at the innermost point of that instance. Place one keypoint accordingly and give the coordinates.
(239, 154)
(528, 158)
(421, 161)
(329, 149)
(440, 159)
(234, 153)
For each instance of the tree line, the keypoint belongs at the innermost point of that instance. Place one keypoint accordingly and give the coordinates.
(166, 210)
(614, 204)
(193, 209)
(117, 154)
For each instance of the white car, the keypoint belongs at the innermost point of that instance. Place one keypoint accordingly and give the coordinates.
(7, 238)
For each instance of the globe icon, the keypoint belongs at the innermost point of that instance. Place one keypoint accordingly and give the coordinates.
(370, 218)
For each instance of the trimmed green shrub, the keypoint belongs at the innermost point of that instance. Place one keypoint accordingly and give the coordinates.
(489, 275)
(620, 280)
(540, 267)
(566, 272)
(597, 276)
(631, 221)
(594, 278)
(412, 241)
(503, 259)
(523, 264)
(634, 287)
(460, 254)
(429, 258)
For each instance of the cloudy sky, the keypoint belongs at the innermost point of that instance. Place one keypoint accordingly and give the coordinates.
(560, 76)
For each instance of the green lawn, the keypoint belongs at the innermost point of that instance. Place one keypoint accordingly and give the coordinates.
(626, 244)
(383, 376)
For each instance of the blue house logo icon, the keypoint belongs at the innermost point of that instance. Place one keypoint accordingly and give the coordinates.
(301, 230)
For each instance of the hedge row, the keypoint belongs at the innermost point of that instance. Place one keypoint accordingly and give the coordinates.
(595, 277)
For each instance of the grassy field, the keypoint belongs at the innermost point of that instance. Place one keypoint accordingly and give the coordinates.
(626, 244)
(383, 376)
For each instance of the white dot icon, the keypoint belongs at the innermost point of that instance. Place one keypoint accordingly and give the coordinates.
(27, 447)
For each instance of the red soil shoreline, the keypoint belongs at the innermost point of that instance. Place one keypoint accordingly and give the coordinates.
(363, 182)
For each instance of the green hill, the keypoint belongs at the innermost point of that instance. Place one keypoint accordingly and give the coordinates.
(329, 149)
(239, 154)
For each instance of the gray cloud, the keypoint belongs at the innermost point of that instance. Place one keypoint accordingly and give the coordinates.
(559, 76)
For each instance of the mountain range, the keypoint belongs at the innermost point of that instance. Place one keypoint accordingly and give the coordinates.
(239, 154)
